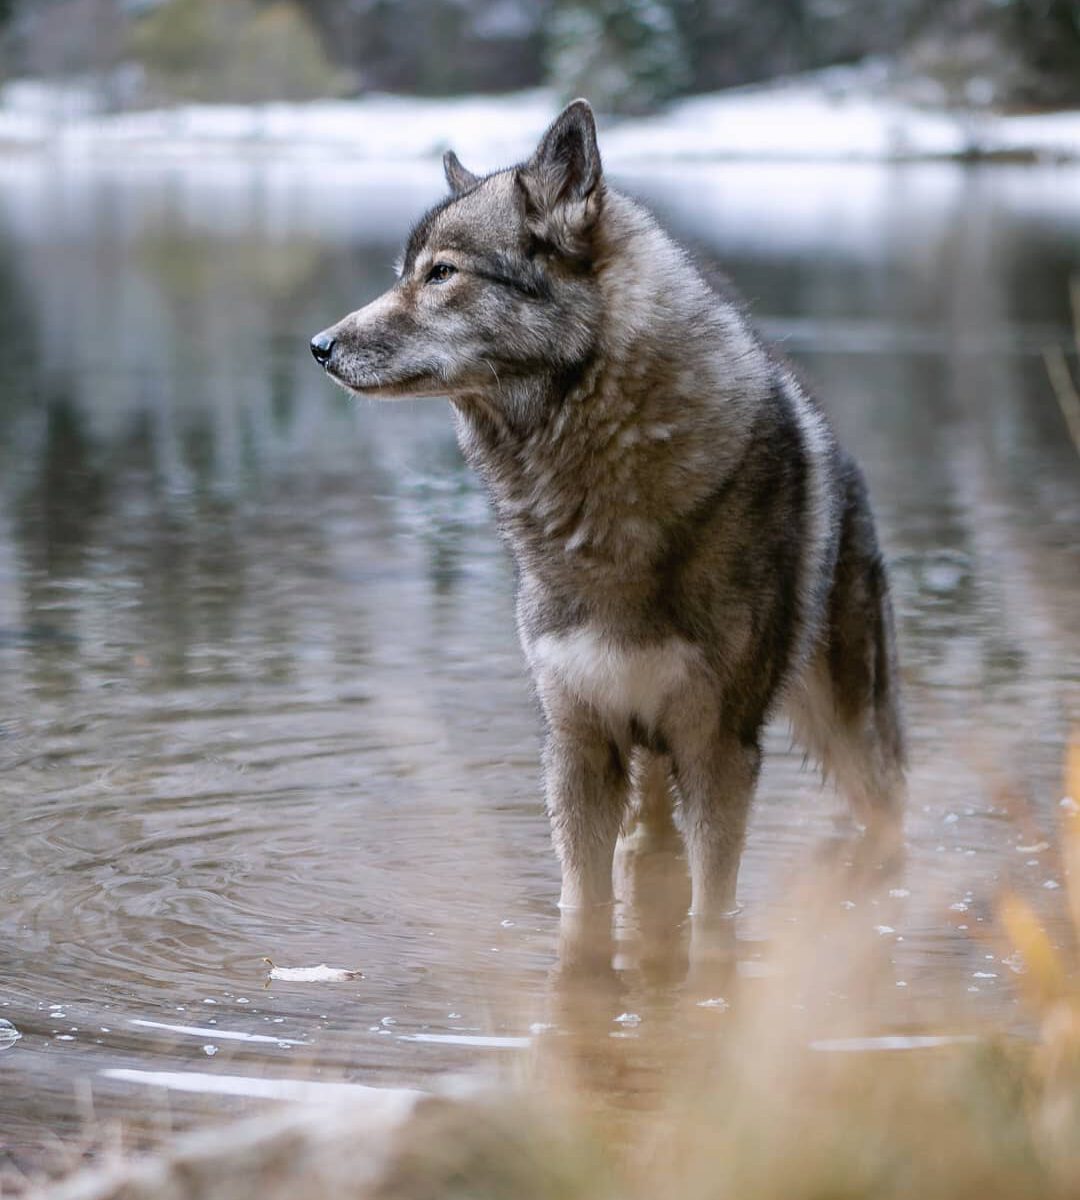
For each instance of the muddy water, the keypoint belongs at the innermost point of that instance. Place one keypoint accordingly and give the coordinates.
(261, 695)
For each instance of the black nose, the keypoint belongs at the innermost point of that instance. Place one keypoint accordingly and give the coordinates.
(322, 346)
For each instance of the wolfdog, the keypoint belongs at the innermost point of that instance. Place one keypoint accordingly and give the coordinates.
(693, 547)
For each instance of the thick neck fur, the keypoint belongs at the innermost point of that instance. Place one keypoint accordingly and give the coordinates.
(586, 473)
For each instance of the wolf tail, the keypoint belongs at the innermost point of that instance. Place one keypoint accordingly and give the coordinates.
(845, 709)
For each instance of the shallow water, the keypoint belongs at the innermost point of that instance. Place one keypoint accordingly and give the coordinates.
(262, 696)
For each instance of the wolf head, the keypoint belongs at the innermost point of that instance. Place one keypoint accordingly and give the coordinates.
(497, 283)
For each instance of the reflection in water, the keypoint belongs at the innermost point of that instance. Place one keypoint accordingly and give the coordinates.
(262, 695)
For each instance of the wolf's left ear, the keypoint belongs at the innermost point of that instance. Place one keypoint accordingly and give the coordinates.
(562, 182)
(566, 164)
(459, 179)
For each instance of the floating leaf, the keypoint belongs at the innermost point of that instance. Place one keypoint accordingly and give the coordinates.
(320, 974)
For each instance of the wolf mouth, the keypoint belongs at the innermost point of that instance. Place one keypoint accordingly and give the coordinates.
(399, 384)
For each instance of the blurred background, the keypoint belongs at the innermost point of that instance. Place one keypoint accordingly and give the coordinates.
(629, 55)
(260, 691)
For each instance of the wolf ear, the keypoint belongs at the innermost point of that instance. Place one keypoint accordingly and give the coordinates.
(561, 183)
(459, 179)
(566, 164)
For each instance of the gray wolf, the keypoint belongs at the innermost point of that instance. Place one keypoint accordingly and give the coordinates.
(693, 548)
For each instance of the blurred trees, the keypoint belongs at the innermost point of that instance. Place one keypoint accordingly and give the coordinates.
(1005, 52)
(438, 47)
(731, 42)
(627, 55)
(233, 50)
(55, 38)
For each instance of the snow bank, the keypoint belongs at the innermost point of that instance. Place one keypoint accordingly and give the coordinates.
(375, 128)
(811, 118)
(796, 121)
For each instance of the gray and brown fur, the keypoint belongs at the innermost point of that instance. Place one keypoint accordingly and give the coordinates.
(692, 545)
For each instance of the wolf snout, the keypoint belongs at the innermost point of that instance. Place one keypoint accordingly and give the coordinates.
(322, 346)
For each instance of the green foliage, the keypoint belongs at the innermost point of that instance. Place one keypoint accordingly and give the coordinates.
(232, 50)
(627, 56)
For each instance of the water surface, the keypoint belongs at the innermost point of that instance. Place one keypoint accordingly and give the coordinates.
(261, 693)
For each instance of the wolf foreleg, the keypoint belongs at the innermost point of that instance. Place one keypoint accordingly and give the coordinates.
(716, 774)
(586, 784)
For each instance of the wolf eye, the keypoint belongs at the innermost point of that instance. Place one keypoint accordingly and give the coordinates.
(440, 273)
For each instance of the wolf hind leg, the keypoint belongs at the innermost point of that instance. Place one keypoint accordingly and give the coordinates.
(650, 817)
(650, 868)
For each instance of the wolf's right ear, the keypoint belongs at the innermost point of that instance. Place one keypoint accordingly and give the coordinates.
(459, 179)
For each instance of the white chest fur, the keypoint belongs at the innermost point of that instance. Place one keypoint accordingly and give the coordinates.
(621, 682)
